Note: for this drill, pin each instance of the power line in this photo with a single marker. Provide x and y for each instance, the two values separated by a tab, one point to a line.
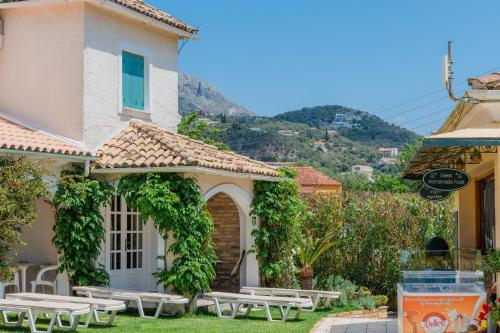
425	116
409	102
430	93
416	107
427	124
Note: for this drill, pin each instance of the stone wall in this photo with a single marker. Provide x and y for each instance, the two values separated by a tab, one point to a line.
226	238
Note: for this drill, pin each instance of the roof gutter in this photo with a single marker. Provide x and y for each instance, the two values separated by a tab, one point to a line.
186	169
69	158
111	6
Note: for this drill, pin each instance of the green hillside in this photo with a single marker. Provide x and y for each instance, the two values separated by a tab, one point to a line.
369	130
259	138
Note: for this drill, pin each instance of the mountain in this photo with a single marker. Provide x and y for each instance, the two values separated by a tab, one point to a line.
362	127
198	95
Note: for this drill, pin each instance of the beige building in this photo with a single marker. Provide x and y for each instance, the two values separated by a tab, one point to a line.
469	140
95	83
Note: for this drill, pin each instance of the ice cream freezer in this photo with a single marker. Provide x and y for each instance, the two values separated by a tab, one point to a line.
438	301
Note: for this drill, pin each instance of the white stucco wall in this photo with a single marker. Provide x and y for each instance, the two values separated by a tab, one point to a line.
60	70
41	67
105	35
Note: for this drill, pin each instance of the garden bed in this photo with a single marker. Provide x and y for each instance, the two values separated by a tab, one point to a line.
379	313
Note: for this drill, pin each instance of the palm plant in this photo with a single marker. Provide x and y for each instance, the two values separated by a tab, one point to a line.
309	250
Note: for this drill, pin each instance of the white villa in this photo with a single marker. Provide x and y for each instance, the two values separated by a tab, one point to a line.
95	83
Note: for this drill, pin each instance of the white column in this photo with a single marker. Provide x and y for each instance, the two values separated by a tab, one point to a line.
160	263
252	265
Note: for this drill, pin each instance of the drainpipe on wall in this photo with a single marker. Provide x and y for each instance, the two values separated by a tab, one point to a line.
1	33
87	168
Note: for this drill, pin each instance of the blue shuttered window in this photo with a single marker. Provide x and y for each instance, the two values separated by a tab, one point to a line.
133	81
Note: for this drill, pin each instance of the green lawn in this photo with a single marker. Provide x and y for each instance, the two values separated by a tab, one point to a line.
206	323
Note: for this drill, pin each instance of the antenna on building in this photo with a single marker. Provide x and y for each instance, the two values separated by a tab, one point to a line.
448	73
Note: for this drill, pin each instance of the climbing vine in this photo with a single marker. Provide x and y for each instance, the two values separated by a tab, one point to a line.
79	228
21	184
176	206
279	209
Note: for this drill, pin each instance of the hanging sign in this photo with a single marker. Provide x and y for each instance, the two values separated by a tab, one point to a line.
431	194
446	179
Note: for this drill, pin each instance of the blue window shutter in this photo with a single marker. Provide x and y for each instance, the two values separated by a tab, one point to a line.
133	81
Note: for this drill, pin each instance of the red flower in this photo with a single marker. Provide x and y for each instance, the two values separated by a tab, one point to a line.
482	316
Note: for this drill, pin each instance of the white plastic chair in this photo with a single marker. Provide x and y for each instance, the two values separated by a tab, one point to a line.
39	281
5	284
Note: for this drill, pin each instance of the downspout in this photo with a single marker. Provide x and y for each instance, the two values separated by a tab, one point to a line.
87	168
2	33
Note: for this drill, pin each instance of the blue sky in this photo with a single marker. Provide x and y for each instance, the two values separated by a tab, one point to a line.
276	56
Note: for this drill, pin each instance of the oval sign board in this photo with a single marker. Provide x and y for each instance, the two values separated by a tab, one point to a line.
431	194
446	179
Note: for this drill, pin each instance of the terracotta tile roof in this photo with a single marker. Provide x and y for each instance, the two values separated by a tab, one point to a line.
487	82
146	9
16	137
144	145
308	176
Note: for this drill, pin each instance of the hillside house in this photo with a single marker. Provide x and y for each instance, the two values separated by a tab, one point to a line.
363	169
320	145
94	83
287	132
388	152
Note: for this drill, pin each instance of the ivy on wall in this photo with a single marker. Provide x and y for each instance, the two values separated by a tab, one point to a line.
21	184
279	209
176	205
79	228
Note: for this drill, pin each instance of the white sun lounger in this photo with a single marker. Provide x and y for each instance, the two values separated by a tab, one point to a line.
314	295
128	296
96	304
284	304
31	309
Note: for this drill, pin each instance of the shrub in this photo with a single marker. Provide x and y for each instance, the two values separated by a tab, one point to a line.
372	229
365	302
351	294
493	261
280	211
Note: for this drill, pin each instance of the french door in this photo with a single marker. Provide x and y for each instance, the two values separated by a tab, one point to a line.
126	240
487	214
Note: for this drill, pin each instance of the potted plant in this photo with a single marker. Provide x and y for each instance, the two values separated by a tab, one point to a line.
309	251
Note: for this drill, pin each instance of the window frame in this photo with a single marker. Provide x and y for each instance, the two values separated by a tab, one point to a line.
146	54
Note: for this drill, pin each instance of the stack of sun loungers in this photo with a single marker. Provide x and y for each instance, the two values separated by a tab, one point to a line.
27	307
265	298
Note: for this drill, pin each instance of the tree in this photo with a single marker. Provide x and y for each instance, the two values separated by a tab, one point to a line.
407	153
21	184
192	127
